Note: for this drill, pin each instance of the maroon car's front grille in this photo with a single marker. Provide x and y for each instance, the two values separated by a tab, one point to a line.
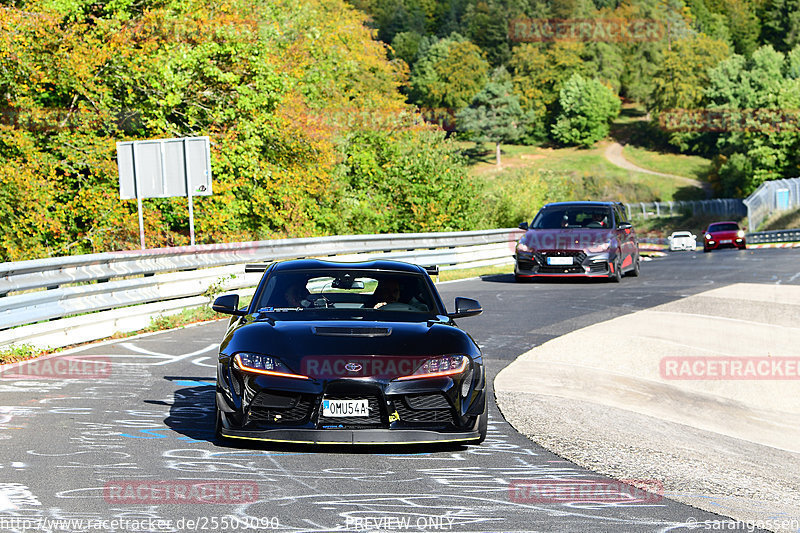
561	270
598	267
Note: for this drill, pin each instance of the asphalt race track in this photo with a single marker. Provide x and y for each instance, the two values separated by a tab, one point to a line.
81	449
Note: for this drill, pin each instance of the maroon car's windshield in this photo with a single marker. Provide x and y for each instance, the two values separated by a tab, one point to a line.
573	217
728	226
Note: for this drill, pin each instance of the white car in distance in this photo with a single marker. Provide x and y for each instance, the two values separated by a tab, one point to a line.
682	240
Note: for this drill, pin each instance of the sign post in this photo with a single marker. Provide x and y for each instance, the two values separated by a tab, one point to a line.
164	168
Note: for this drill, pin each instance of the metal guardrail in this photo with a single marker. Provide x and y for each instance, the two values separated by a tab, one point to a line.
101	284
782	235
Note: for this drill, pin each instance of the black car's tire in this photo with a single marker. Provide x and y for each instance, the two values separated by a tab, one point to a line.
635	271
218	436
483	424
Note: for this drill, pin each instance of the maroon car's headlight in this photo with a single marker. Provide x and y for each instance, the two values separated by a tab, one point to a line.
709	236
263	364
522	247
435	367
740	234
600	247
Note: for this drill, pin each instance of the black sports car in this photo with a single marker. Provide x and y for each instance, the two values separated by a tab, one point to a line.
348	353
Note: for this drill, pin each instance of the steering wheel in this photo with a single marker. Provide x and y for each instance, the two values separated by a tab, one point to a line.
398	306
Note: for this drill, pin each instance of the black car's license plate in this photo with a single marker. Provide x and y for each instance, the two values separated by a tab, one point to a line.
342	408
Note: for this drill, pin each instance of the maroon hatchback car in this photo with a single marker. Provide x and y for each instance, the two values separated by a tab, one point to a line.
578	239
723	235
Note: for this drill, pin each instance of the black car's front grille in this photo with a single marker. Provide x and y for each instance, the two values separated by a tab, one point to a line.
424	408
375	418
280	408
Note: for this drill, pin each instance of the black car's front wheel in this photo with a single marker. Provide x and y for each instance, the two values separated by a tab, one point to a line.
218	436
483	424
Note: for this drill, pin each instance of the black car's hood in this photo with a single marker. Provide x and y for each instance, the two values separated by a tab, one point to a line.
293	341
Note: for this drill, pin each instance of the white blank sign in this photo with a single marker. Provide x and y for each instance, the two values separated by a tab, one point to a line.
160	168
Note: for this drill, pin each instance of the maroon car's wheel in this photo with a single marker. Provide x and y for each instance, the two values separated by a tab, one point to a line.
635	272
616	277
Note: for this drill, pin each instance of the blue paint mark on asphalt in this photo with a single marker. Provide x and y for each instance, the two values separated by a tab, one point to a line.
192	383
150	432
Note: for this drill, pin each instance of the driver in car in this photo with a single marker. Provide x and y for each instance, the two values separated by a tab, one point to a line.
388	292
296	295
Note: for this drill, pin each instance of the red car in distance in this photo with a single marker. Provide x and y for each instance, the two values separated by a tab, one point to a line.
723	235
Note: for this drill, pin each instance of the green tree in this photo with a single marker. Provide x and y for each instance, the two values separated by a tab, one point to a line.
586	108
780	24
449	73
683	73
495	114
759	139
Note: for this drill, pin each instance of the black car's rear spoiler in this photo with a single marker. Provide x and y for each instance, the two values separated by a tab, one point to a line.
256	267
432	270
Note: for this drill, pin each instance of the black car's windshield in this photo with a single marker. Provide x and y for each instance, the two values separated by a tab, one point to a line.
357	290
573	217
730	226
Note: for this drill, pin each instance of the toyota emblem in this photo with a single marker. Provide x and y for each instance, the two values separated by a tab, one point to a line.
353	367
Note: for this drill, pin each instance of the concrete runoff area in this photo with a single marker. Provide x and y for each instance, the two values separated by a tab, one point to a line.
604	398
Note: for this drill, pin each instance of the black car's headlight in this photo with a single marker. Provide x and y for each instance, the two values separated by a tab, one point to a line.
435	367
264	364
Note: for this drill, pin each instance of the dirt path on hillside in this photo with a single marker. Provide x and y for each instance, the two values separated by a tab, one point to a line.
613	153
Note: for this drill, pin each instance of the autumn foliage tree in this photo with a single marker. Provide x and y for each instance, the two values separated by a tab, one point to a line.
275	84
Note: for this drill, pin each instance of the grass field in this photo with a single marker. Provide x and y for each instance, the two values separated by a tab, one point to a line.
589	174
688	166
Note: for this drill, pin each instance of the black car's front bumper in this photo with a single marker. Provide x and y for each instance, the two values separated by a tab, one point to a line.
583	264
352	436
276	409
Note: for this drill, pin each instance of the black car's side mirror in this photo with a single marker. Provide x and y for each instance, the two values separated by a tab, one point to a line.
228	304
523	225
625	225
466	307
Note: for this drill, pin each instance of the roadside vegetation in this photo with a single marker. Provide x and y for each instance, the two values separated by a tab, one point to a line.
316	112
784	220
